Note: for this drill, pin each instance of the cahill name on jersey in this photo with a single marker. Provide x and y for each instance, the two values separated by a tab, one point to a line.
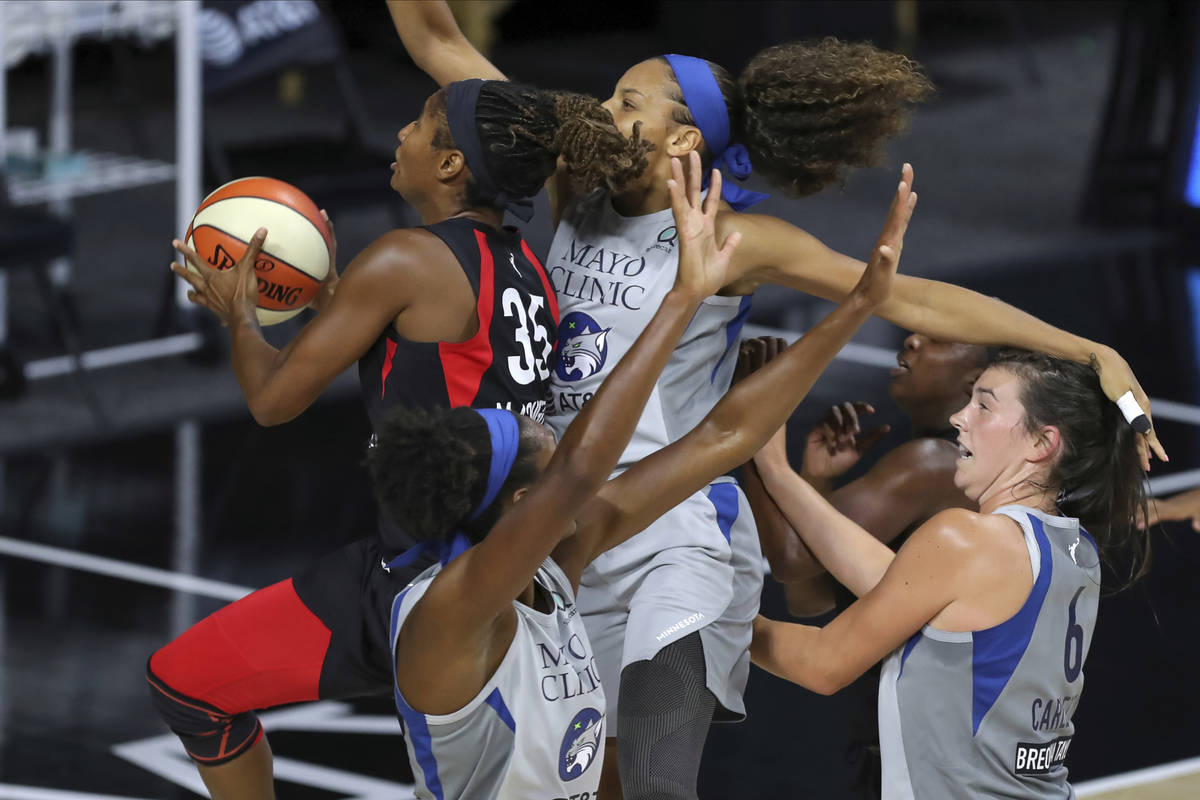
611	273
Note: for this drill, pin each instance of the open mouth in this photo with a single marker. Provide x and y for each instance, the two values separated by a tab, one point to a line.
964	453
901	368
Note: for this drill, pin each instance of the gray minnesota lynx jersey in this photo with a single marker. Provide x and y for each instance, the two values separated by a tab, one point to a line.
611	273
988	713
536	729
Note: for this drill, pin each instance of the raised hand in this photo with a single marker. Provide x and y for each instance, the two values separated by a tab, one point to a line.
231	294
1116	378
702	265
837	442
875	284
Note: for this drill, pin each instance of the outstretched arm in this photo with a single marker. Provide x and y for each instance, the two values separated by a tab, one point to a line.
745	417
437	46
777	252
1180	507
931	571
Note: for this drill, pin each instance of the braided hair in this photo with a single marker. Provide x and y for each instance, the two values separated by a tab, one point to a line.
524	131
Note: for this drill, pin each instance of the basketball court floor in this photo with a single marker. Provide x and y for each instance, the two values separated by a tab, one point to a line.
114	542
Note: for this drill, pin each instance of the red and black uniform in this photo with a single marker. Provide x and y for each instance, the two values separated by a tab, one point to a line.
323	634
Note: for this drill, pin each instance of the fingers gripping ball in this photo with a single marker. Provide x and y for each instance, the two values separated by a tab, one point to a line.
295	257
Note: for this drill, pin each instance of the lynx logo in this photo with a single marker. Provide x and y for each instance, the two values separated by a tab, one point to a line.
584	347
581	744
666	240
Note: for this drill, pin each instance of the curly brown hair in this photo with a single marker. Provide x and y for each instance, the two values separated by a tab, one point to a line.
809	111
524	130
429	470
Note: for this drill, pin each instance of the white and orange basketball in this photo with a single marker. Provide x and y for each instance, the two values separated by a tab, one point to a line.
295	256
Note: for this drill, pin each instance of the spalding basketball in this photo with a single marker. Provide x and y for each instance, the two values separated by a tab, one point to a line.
295	256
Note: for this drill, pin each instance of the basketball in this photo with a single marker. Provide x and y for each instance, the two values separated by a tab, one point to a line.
295	256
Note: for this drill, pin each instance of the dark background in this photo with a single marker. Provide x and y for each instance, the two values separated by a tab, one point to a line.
1046	165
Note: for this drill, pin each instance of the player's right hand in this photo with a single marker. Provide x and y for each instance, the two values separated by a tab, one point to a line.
875	284
703	266
231	294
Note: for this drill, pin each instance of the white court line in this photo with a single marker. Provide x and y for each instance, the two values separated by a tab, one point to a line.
9	791
121	569
112	356
1140	777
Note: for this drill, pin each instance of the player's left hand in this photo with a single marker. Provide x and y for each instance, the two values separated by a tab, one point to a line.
231	294
752	355
330	284
1116	378
703	267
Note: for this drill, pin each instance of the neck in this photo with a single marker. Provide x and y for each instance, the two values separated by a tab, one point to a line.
650	193
1026	490
638	201
438	209
931	420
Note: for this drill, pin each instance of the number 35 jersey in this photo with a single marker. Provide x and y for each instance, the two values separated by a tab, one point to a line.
988	713
506	364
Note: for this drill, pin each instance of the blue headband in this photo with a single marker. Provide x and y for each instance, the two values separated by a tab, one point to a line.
505	433
703	99
461	100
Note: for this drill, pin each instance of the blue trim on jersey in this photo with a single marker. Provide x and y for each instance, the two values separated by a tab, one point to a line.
724	497
733	331
413	722
908	648
496	701
997	651
417	731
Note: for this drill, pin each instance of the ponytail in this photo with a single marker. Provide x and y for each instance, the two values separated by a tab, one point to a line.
809	111
1098	473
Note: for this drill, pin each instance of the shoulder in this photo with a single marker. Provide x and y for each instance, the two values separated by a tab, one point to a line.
961	535
402	253
767	244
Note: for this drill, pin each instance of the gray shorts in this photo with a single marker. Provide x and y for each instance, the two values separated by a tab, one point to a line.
696	568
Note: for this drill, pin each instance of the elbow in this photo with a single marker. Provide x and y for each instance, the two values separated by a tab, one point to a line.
268	414
827	681
793	569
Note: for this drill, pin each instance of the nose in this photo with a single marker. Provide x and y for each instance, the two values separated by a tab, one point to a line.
610	105
959	418
914	342
403	134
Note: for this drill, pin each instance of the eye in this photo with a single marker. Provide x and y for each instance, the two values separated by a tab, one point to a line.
628	106
982	406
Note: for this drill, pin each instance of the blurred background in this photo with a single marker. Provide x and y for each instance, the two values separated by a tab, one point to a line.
1058	167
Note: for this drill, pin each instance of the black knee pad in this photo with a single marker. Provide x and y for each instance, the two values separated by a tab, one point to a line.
664	711
210	736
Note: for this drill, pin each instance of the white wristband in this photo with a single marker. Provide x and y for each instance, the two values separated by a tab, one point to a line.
1133	412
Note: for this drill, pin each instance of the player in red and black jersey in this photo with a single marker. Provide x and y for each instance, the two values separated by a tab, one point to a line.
458	312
